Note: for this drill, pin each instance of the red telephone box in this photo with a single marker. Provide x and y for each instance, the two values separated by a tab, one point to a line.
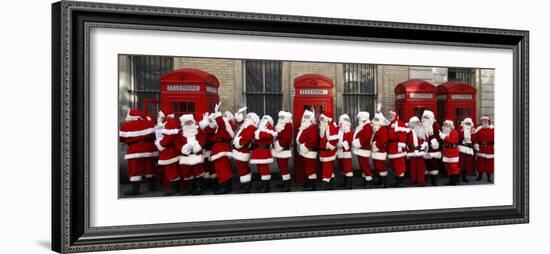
414	96
189	91
456	101
313	92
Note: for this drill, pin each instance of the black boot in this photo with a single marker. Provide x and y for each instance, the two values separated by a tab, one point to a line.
384	181
327	185
134	191
174	188
245	187
489	178
367	184
199	186
286	185
433	180
214	185
349	182
479	176
265	186
457	180
151	183
310	185
464	178
343	183
451	180
191	185
223	188
399	181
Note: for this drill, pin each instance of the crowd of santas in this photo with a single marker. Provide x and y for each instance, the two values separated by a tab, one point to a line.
200	153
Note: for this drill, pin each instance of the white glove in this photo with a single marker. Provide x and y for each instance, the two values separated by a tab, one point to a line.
186	149
434	143
417	153
237	142
356	143
476	147
339	145
345	145
159	147
374	147
277	147
442	135
241	110
196	147
424	146
303	148
399	149
217	107
329	146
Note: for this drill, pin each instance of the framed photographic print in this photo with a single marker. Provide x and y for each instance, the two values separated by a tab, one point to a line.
181	126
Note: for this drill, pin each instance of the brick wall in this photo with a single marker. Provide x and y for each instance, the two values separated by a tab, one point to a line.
487	84
388	78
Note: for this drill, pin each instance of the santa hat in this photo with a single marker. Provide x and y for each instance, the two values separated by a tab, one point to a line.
428	114
133	115
485	117
467	120
268	118
166	112
329	115
253	117
363	116
344	117
171	127
285	115
450	123
378	116
413	120
186	117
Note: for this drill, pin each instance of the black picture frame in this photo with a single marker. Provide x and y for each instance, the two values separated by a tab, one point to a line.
70	108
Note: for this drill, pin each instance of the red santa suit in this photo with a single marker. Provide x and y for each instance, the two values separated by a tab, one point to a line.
484	145
191	143
169	153
307	141
345	139
450	149
138	134
261	153
362	144
328	134
281	147
241	147
378	144
221	149
208	128
465	146
433	155
417	146
397	147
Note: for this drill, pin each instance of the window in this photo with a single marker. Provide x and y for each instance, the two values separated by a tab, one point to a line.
263	87
465	75
182	107
146	72
359	89
460	114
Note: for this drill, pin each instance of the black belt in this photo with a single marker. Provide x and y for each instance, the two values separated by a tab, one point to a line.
261	146
221	141
415	148
468	145
450	145
142	141
486	143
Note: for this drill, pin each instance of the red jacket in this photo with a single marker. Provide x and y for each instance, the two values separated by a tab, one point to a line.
416	146
281	147
307	141
485	142
345	139
397	138
379	142
169	153
361	140
261	154
223	135
328	143
242	142
139	136
191	154
434	147
450	148
465	145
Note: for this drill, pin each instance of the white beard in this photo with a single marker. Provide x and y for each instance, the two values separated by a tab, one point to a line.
376	126
323	128
420	132
190	131
467	134
305	124
280	126
429	126
263	124
345	127
446	130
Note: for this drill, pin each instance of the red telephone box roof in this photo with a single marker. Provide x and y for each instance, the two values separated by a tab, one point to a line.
190	75
415	85
455	87
312	80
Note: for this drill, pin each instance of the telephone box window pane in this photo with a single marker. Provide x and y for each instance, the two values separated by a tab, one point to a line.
460	114
191	107
175	107
183	108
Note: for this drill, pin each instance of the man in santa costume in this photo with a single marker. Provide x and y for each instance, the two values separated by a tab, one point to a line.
240	116
449	138
138	135
241	150
307	141
208	127
169	153
362	146
417	147
484	145
221	149
433	155
328	134
345	138
191	142
151	172
281	147
261	152
379	146
397	146
465	147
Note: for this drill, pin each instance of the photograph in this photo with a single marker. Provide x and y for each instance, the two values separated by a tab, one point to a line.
208	126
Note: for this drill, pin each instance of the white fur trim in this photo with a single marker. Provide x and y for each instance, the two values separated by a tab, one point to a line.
213	176
221	154
374	147
330	146
159	146
433	172
433	155
312	176
169	131
169	161
402	145
466	150
416	154
362	152
286	177
240	156
485	155
401	175
141	155
228	128
192	159
368	178
378	156
434	143
450	159
261	161
341	154
356	143
131	134
327	159
206	175
266	177
333	137
397	155
135	178
206	154
303	148
277	147
383	173
349	174
281	154
309	154
246	178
